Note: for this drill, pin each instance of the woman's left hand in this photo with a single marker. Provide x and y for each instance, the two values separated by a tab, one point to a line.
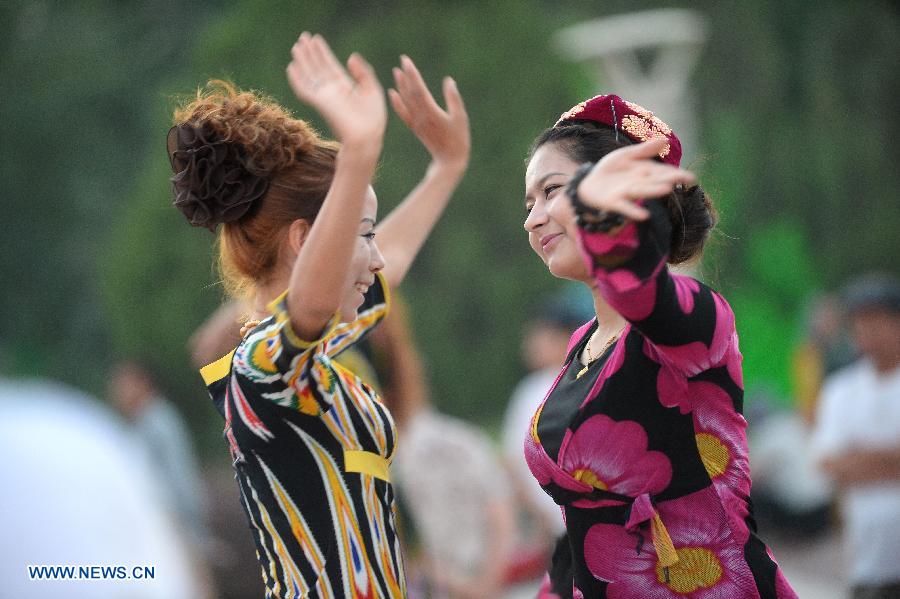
445	133
629	174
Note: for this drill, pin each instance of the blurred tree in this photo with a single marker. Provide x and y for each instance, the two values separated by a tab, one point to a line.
77	78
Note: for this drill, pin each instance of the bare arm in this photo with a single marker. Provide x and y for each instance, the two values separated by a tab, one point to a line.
499	549
863	466
405	389
219	334
352	102
446	136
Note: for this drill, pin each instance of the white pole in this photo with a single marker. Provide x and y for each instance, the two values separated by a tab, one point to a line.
671	39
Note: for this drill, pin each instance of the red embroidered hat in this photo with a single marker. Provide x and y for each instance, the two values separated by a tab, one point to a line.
635	121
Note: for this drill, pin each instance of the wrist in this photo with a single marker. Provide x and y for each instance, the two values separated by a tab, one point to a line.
361	149
587	217
448	170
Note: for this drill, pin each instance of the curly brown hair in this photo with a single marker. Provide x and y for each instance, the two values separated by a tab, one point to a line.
298	162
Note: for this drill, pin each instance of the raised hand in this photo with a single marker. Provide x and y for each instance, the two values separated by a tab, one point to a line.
351	100
444	133
629	174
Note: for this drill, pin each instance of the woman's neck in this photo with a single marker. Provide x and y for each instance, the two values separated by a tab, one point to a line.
609	322
265	294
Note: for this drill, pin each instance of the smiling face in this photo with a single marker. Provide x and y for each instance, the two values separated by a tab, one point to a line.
552	232
366	261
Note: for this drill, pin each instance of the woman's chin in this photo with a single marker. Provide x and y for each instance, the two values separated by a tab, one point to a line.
349	311
347	315
565	269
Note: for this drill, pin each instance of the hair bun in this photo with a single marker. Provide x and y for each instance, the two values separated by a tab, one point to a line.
212	183
693	217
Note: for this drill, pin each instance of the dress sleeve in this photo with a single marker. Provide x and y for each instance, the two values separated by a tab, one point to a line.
689	326
296	372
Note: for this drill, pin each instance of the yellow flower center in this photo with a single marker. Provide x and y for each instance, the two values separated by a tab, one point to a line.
714	454
589	477
697	567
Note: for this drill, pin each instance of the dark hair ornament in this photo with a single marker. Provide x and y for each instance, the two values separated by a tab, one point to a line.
212	184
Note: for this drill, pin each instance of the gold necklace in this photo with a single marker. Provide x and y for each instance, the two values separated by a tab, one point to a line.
591	358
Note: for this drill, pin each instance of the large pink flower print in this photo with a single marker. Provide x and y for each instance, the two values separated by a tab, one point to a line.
710	562
721	436
613	456
722	445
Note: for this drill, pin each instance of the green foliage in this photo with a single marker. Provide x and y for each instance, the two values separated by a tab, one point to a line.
766	305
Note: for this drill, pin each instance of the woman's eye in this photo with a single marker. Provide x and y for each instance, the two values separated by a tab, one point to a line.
528	208
370	235
550	189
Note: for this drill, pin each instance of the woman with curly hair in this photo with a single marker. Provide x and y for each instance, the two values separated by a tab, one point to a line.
296	221
641	440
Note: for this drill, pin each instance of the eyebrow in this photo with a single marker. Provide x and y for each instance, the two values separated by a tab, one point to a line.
541	181
368	220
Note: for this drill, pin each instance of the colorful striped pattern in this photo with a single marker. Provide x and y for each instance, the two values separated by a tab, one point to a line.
311	445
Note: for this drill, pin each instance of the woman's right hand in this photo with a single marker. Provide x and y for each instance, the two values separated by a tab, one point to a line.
351	100
630	174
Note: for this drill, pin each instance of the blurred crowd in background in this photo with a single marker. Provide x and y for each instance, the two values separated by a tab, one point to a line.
114	453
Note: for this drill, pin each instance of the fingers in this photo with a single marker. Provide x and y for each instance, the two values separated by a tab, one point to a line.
315	52
453	99
412	86
312	63
402	84
628	209
362	72
670	176
648	149
400	107
325	60
299	66
644	154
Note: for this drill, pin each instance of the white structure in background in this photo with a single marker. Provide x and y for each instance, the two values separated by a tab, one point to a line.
672	39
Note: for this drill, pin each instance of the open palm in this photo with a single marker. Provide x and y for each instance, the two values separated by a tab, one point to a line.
351	100
629	174
445	133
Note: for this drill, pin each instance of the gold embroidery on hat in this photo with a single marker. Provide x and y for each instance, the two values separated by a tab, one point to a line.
646	128
572	112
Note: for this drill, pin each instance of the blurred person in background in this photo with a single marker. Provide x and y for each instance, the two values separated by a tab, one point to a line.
825	349
449	478
79	489
310	441
543	352
857	437
641	438
791	496
136	394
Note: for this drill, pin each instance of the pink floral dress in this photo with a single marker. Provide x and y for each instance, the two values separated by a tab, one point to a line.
648	461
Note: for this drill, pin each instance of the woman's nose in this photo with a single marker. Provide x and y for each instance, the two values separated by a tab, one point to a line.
537	216
377	262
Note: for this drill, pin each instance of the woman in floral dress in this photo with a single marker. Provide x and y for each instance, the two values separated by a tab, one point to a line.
641	440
